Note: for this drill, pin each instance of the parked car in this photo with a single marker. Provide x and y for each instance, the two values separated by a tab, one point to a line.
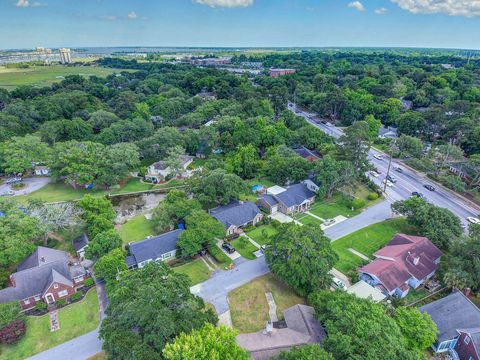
329	222
388	182
378	156
228	248
14	180
418	194
399	169
391	178
429	187
338	284
374	173
8	193
377	170
473	220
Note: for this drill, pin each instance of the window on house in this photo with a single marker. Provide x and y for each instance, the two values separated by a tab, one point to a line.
63	293
26	301
467	340
78	279
55	285
37	298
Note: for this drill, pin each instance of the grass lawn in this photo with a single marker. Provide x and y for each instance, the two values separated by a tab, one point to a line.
262	181
196	270
222	258
136	229
99	356
75	320
306	219
263	234
249	307
39	76
367	241
330	208
415	295
244	247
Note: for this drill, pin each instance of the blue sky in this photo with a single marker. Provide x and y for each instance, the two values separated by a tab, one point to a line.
235	23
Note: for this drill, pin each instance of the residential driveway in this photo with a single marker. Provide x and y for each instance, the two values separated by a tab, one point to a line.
31	184
234	256
215	290
341	276
281	217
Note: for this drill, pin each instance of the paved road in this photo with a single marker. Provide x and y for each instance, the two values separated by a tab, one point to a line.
31	184
216	289
407	181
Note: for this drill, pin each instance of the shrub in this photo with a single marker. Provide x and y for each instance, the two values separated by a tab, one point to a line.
358	203
40	306
76	296
89	282
11	333
372	196
61	302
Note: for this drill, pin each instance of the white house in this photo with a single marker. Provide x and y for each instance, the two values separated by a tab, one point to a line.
159	171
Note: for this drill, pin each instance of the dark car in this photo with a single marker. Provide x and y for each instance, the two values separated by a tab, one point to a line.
228	248
399	169
418	194
391	179
429	187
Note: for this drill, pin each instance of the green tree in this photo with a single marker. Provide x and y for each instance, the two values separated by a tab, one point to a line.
117	163
373	126
438	224
103	243
306	352
411	123
332	174
244	162
173	160
284	165
355	145
110	265
418	328
20	154
9	312
409	146
147	309
359	328
302	256
209	342
96	206
201	232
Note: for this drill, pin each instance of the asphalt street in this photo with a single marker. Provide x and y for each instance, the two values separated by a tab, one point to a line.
408	180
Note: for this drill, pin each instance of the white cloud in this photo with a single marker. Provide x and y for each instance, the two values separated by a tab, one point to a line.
132	15
380	11
23	3
225	3
356	5
468	8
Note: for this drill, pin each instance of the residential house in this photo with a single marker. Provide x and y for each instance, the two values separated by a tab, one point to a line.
207	95
293	199
311	185
458	323
236	215
307	154
47	275
41	170
389	132
159	171
406	262
157	248
80	244
281	72
299	328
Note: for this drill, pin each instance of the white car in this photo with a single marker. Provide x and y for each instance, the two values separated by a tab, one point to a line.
374	174
378	156
338	284
473	220
389	183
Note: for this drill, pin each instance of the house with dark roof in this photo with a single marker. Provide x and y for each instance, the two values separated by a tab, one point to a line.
293	199
307	154
389	132
157	248
80	244
236	215
46	275
458	323
299	328
159	170
405	262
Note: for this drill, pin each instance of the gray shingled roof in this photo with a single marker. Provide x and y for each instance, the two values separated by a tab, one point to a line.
236	213
42	256
269	199
154	247
80	242
295	195
452	313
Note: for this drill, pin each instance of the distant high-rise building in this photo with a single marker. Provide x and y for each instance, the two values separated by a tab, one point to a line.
65	56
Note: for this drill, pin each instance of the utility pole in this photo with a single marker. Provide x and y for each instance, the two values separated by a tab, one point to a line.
389	166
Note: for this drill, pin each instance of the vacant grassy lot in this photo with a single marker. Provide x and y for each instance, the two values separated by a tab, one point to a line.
249	307
262	234
196	270
367	241
136	229
330	208
244	247
75	320
47	75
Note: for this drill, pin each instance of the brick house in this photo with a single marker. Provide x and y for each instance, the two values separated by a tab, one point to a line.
47	275
236	215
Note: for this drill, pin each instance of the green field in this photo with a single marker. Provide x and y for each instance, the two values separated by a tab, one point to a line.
262	234
136	229
367	241
40	76
196	270
244	247
75	320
